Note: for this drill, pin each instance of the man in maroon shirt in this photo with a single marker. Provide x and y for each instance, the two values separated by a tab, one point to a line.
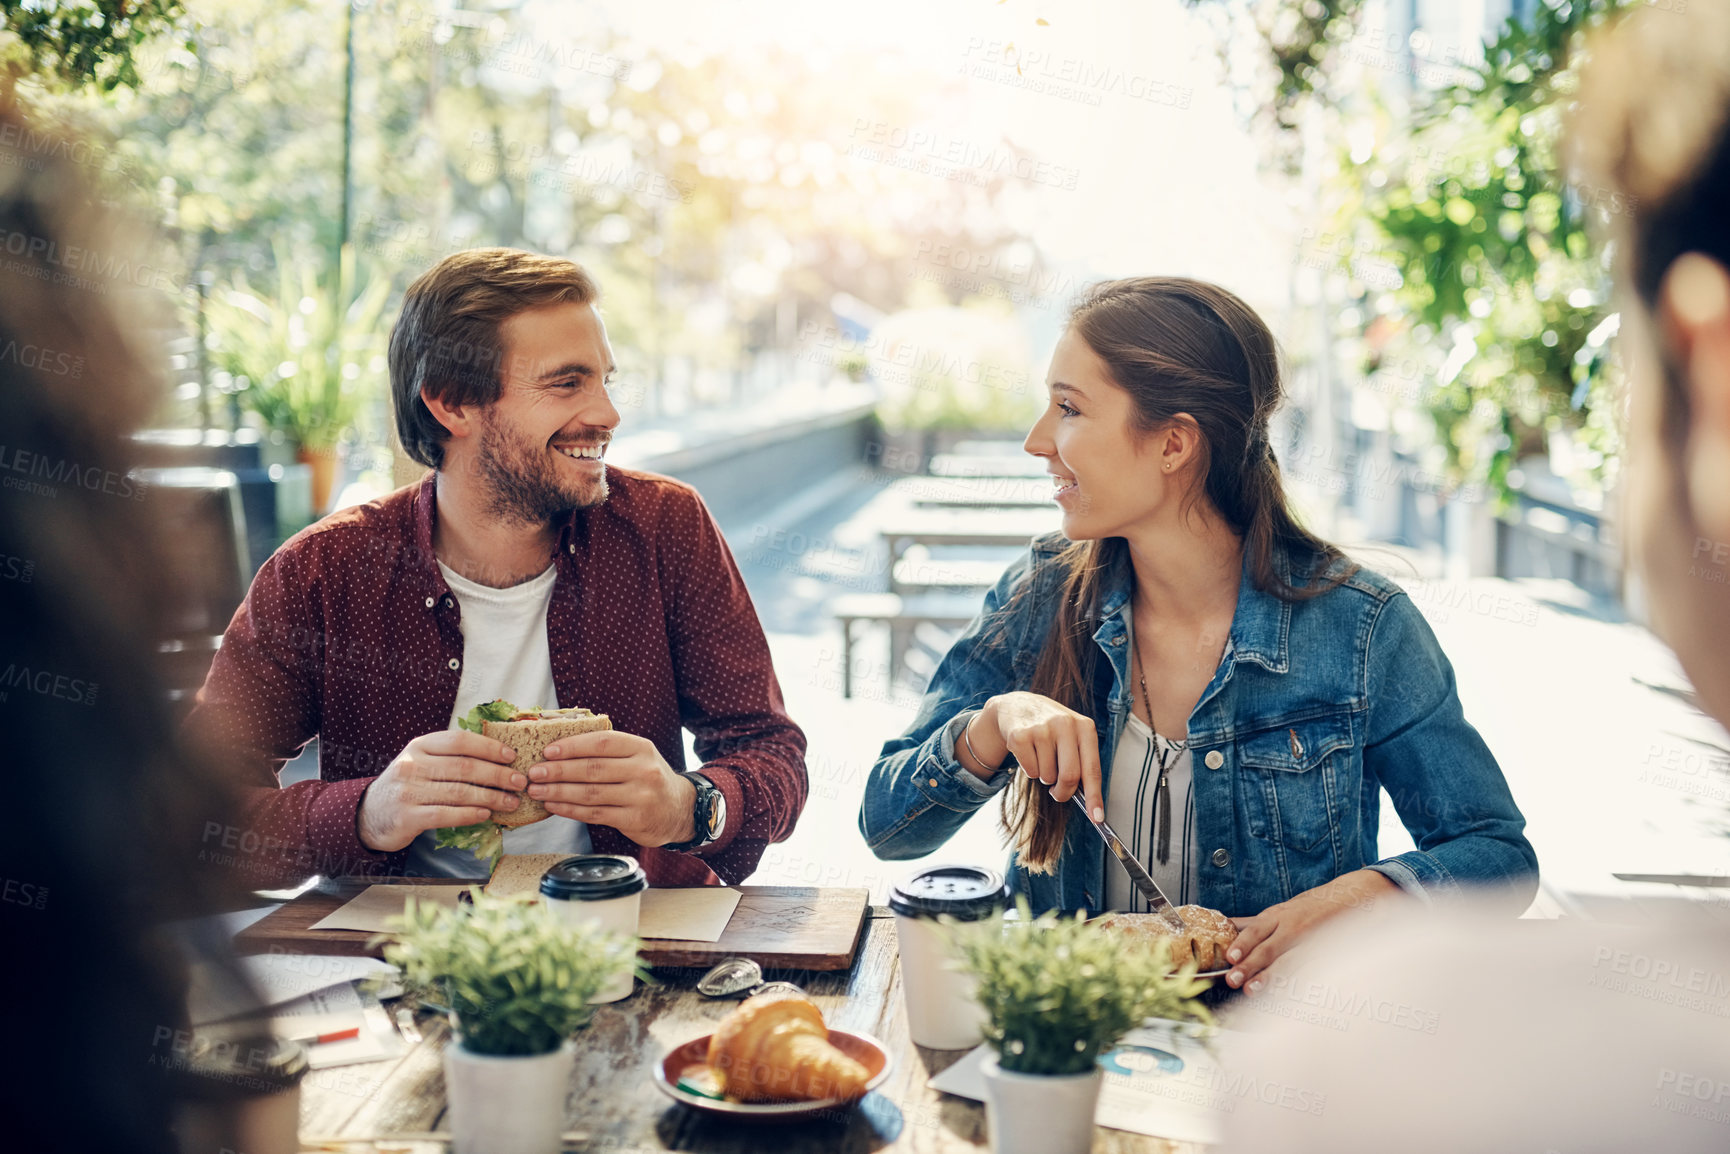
522	567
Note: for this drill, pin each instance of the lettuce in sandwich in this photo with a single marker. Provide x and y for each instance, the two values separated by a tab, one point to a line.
484	839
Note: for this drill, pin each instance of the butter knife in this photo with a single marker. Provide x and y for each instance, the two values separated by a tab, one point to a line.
1157	902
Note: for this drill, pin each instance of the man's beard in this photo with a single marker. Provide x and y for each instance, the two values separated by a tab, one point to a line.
523	483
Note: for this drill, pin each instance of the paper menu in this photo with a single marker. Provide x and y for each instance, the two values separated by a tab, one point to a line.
340	1008
1159	1081
369	909
690	914
684	914
275	978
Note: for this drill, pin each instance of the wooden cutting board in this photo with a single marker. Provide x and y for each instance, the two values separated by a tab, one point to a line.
788	927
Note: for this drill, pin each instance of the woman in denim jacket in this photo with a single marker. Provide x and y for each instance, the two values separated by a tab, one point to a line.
1275	687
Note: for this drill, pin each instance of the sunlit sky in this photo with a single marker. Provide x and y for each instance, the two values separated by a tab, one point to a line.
1158	188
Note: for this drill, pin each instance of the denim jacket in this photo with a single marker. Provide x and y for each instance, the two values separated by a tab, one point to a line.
1315	708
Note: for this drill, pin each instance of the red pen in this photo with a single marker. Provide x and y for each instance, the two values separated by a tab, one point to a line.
333	1036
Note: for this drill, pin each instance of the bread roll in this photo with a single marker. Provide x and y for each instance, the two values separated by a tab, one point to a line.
1204	940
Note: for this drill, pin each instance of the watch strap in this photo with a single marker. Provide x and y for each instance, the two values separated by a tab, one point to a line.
708	796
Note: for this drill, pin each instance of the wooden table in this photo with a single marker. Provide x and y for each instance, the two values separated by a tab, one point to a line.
1012	464
614	1105
902	615
782	925
973	492
939	527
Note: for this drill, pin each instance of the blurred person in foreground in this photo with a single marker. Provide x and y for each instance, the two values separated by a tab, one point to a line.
525	568
108	811
1567	1036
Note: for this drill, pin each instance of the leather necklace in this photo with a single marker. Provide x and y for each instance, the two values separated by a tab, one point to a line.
1162	791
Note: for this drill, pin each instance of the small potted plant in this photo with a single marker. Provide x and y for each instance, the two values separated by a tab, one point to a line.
1058	993
515	981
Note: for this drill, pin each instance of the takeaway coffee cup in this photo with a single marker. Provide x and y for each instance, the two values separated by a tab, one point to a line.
941	1011
602	889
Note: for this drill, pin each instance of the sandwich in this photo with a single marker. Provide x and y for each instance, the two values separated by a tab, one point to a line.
1206	936
528	731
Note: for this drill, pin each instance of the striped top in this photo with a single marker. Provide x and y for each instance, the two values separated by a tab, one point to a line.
1129	808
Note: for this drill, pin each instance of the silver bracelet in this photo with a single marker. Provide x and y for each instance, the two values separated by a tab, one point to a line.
967	738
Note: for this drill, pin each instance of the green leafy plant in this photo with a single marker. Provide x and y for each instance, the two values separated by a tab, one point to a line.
89	43
299	358
1495	265
514	978
1058	991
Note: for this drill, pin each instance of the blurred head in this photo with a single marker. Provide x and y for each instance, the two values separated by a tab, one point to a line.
499	366
1161	392
1653	124
114	813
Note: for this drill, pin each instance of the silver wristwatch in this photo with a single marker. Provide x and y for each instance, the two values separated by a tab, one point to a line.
708	815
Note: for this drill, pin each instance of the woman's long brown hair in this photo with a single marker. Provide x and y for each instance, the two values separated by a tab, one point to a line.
1176	346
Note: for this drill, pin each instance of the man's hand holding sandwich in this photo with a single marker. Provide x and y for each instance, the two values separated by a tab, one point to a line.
618	780
449	778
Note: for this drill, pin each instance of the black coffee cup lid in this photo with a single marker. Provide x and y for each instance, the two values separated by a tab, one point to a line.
965	893
594	877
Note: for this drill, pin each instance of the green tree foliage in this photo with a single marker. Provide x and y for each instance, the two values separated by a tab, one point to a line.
718	196
1481	301
1299	37
83	43
1507	299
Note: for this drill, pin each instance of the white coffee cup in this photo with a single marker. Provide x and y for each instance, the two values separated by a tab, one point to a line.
599	889
942	1012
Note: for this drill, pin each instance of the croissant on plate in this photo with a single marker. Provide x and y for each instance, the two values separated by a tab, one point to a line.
1207	935
775	1047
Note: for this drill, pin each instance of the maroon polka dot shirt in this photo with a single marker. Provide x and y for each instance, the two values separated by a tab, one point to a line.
350	633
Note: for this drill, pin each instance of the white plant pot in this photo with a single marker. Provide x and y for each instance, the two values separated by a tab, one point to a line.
1039	1113
507	1105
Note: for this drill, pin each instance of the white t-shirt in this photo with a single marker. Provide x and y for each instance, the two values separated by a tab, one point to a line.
505	656
1130	810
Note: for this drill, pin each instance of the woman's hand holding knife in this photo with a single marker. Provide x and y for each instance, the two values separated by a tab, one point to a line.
1054	745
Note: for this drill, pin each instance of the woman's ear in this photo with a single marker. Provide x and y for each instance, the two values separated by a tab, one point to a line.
457	420
1694	310
1179	442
